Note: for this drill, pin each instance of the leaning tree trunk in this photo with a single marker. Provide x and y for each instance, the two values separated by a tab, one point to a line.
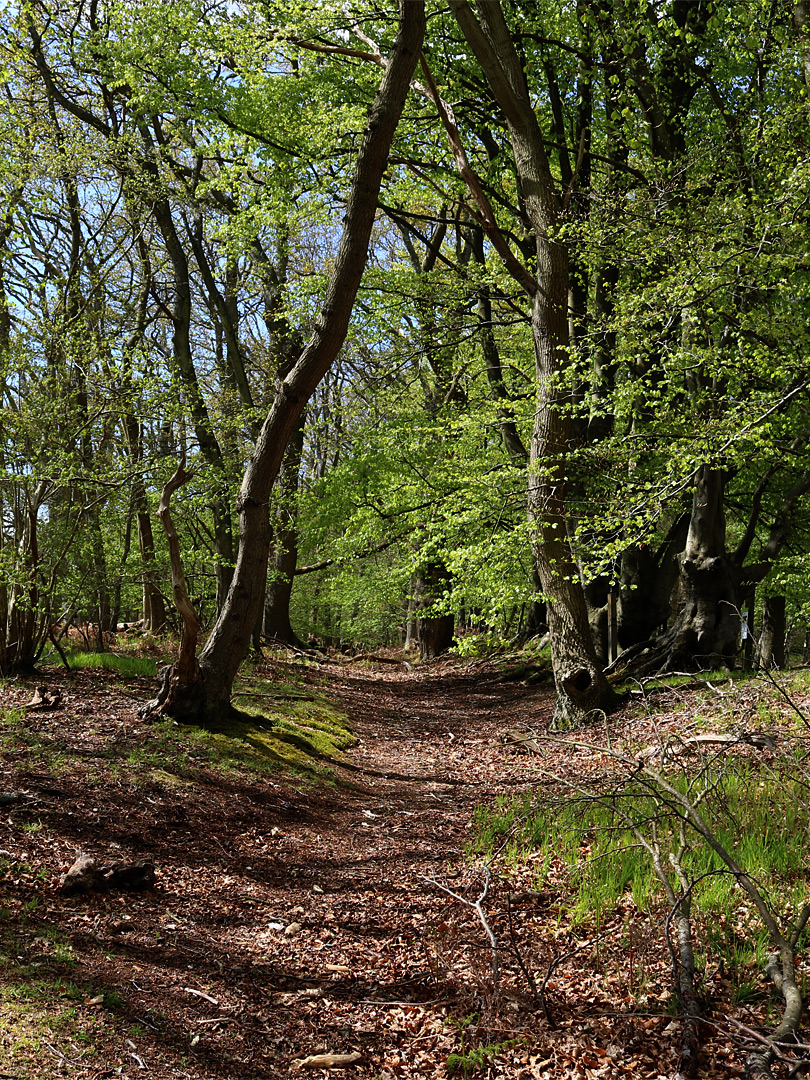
230	638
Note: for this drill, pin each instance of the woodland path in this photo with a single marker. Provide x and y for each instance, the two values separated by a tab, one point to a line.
289	919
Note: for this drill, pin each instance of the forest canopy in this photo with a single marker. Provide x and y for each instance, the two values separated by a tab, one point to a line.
464	324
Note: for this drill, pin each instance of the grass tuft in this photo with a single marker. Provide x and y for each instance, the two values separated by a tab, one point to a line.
129	667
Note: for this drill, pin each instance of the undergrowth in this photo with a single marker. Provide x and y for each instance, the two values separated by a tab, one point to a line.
591	837
620	837
283	725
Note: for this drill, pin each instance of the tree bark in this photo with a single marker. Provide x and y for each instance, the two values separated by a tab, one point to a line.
181	690
772	641
284	556
647	578
582	689
230	638
434	632
706	631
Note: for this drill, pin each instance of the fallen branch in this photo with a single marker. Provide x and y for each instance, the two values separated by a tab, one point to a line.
521	739
378	659
676	746
329	1061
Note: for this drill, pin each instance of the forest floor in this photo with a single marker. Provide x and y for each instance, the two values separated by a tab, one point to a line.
306	909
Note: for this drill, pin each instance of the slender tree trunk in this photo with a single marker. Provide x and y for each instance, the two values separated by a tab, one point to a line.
284	558
230	638
772	640
182	691
582	689
184	363
153	607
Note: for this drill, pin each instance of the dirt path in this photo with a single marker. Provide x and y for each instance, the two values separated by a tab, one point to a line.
289	920
404	963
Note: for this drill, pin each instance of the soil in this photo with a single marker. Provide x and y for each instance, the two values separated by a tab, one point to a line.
294	918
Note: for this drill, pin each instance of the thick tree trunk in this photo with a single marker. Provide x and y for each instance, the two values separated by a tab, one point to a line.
230	638
647	579
706	631
596	594
582	689
435	632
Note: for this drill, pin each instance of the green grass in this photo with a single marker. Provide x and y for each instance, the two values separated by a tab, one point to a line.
129	667
38	1003
758	816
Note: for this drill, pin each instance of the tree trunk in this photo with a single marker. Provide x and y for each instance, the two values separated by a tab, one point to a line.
182	691
276	623
772	641
435	632
230	638
647	579
153	607
706	631
582	689
708	627
747	629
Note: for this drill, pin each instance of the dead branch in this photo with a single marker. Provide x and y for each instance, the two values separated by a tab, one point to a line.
329	1061
478	906
537	993
788	699
377	659
675	746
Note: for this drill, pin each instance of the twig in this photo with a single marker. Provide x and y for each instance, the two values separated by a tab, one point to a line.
530	979
67	1060
272	697
225	851
788	699
199	993
59	649
478	906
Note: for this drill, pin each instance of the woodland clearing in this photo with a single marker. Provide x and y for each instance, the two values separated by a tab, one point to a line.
304	875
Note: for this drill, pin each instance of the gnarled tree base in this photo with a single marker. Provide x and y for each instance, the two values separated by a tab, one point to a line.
677	649
182	698
583	696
